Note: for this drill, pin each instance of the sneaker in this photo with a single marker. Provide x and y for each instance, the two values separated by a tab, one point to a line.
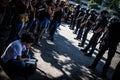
89	55
80	45
83	50
76	38
74	33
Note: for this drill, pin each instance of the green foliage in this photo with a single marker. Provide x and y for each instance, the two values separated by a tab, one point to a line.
113	6
92	4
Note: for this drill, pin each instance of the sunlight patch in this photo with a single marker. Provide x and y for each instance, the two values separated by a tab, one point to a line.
62	58
84	69
49	69
35	50
67	68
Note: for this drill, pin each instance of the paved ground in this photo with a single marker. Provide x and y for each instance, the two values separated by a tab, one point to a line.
63	60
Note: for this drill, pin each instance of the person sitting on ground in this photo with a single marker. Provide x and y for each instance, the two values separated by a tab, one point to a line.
12	56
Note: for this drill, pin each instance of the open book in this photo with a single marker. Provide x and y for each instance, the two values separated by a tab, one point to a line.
31	61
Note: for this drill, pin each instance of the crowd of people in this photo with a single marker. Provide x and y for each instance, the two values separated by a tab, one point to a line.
105	28
24	22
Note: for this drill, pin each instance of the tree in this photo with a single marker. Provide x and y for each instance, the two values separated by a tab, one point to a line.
92	4
113	6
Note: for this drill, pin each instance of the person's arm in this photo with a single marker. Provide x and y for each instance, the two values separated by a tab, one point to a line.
92	22
80	17
18	50
98	30
26	52
19	58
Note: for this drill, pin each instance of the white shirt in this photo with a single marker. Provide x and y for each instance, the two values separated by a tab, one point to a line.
13	50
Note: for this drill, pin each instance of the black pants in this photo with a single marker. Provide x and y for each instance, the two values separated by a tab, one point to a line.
85	35
73	24
79	35
77	26
93	42
111	46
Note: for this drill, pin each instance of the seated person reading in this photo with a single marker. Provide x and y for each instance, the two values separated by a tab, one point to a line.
16	53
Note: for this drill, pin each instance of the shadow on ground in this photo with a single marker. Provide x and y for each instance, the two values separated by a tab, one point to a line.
67	58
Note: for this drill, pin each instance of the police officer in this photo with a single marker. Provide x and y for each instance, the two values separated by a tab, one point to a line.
77	10
111	45
98	29
90	22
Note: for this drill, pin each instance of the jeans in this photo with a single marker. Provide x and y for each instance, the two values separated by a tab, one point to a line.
54	28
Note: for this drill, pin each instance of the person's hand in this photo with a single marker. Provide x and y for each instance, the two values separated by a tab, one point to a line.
26	59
